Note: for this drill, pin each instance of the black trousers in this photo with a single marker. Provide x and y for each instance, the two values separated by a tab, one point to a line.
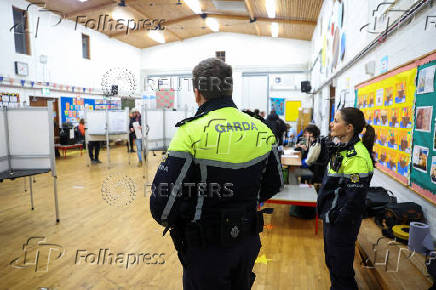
339	249
221	268
131	142
93	146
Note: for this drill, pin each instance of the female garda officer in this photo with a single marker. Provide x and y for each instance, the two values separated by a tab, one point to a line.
342	195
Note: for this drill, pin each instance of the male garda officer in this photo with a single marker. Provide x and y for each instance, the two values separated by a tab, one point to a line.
221	163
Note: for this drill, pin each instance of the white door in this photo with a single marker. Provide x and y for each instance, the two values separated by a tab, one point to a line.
255	93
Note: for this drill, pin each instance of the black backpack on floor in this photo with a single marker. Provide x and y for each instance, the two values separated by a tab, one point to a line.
376	200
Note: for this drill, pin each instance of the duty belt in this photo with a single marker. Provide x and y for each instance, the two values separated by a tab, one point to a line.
232	226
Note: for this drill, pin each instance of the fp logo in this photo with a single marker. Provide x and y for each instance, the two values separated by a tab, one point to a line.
38	254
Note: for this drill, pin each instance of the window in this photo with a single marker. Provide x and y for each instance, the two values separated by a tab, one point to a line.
21	35
85	46
221	55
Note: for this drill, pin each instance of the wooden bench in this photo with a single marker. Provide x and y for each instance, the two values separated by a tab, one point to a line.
381	254
64	148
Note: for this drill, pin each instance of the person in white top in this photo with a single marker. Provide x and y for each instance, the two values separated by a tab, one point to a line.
136	128
309	145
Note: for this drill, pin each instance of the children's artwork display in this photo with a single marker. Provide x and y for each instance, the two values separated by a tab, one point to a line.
387	103
423	169
73	109
9	100
165	98
278	105
100	105
426	80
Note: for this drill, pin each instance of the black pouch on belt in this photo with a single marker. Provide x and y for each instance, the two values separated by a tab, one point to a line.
231	226
259	218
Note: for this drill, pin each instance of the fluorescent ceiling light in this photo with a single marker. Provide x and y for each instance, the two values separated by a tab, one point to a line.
157	36
213	24
274	29
120	13
194	5
83	1
271	8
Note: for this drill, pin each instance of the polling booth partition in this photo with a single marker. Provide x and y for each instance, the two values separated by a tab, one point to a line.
27	145
159	128
107	125
161	124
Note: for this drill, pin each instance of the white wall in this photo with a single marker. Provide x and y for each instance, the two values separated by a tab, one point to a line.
410	41
246	53
63	46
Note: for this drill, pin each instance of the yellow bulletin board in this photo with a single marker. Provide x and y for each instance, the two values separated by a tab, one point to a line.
387	104
291	110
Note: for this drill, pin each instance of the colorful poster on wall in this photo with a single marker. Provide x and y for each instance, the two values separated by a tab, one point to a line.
387	103
291	110
278	105
73	108
165	98
426	80
423	170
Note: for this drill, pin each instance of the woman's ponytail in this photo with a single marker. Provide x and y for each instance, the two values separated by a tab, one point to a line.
368	140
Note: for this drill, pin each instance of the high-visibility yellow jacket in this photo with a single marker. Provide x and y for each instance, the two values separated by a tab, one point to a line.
341	198
220	158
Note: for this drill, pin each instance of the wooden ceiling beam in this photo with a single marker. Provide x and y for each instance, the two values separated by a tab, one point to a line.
143	15
181	19
229	17
265	19
91	9
112	3
166	23
250	11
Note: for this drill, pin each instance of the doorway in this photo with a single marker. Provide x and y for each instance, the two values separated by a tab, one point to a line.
42	102
332	102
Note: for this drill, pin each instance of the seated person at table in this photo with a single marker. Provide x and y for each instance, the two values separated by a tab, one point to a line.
309	146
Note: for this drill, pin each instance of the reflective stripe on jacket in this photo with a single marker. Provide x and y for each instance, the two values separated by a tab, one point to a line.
221	158
344	191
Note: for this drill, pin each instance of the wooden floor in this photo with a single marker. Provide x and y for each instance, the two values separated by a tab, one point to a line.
291	256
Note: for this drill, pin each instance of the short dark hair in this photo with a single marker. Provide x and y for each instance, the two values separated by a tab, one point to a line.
312	129
213	78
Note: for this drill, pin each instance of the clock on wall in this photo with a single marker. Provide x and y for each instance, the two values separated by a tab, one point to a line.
21	68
